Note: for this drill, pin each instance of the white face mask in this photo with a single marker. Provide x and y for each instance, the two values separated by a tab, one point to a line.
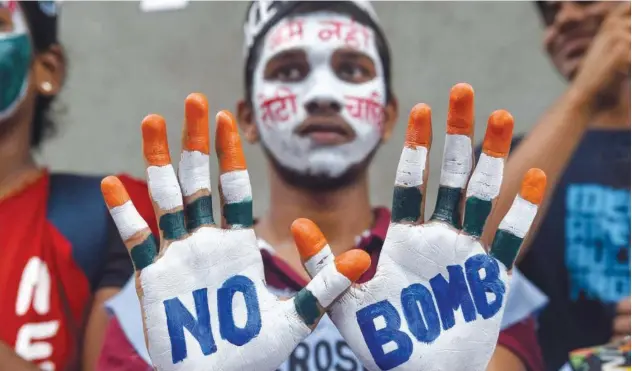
280	106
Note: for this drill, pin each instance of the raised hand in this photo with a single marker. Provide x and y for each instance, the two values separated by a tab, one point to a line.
436	300
202	293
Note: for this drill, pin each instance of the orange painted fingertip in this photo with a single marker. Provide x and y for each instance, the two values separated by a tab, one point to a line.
196	119
308	237
498	134
353	263
419	131
533	186
155	145
461	110
228	144
114	192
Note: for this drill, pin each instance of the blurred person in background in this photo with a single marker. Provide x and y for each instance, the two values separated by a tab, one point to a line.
326	183
61	255
580	256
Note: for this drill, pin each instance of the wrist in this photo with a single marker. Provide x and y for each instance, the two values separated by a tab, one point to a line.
580	101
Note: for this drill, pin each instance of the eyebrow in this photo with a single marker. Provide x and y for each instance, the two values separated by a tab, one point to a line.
288	54
351	54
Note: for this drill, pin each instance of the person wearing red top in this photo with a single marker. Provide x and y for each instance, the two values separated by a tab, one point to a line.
61	255
326	184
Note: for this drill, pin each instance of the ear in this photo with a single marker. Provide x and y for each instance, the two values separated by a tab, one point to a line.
390	118
246	120
49	69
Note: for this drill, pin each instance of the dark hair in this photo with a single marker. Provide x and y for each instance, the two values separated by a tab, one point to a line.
42	24
341	7
542	9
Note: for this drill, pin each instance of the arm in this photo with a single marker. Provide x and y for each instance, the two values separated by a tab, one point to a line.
549	146
553	140
96	327
116	273
11	361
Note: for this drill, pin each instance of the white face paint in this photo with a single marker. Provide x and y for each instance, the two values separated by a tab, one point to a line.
280	106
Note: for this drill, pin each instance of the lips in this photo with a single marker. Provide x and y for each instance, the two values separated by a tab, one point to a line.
326	131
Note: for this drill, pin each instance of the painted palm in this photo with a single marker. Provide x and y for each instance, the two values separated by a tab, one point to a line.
436	300
203	295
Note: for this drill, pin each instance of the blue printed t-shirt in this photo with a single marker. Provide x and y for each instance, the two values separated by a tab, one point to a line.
580	257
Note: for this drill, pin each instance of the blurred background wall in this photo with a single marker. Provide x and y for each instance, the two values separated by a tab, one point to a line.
124	64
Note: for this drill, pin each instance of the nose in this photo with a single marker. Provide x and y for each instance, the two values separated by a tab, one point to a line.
323	106
324	95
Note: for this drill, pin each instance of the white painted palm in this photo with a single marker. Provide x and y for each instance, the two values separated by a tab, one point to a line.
437	298
203	296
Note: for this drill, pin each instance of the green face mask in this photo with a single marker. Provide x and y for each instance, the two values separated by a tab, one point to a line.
15	61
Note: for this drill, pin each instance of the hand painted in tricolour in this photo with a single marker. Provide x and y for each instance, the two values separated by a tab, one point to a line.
202	292
437	298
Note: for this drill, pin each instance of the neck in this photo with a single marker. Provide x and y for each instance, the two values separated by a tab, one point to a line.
617	115
341	214
16	159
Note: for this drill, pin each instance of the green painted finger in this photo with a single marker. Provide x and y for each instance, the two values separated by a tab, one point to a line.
447	206
330	282
457	155
409	180
131	226
476	213
484	186
307	307
172	225
144	253
516	224
234	179
194	168
199	212
162	182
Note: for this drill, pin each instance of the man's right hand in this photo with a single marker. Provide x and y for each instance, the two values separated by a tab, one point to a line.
607	59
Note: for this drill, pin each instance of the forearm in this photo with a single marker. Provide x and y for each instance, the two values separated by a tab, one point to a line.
549	146
95	328
11	361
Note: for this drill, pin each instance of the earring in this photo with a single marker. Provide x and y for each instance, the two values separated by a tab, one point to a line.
47	86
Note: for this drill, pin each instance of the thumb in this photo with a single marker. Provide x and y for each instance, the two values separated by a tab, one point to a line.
332	277
312	246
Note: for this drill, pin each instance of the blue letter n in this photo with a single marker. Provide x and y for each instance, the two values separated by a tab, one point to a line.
179	318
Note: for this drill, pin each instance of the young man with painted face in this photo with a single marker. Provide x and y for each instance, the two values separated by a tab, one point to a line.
61	256
320	110
580	257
